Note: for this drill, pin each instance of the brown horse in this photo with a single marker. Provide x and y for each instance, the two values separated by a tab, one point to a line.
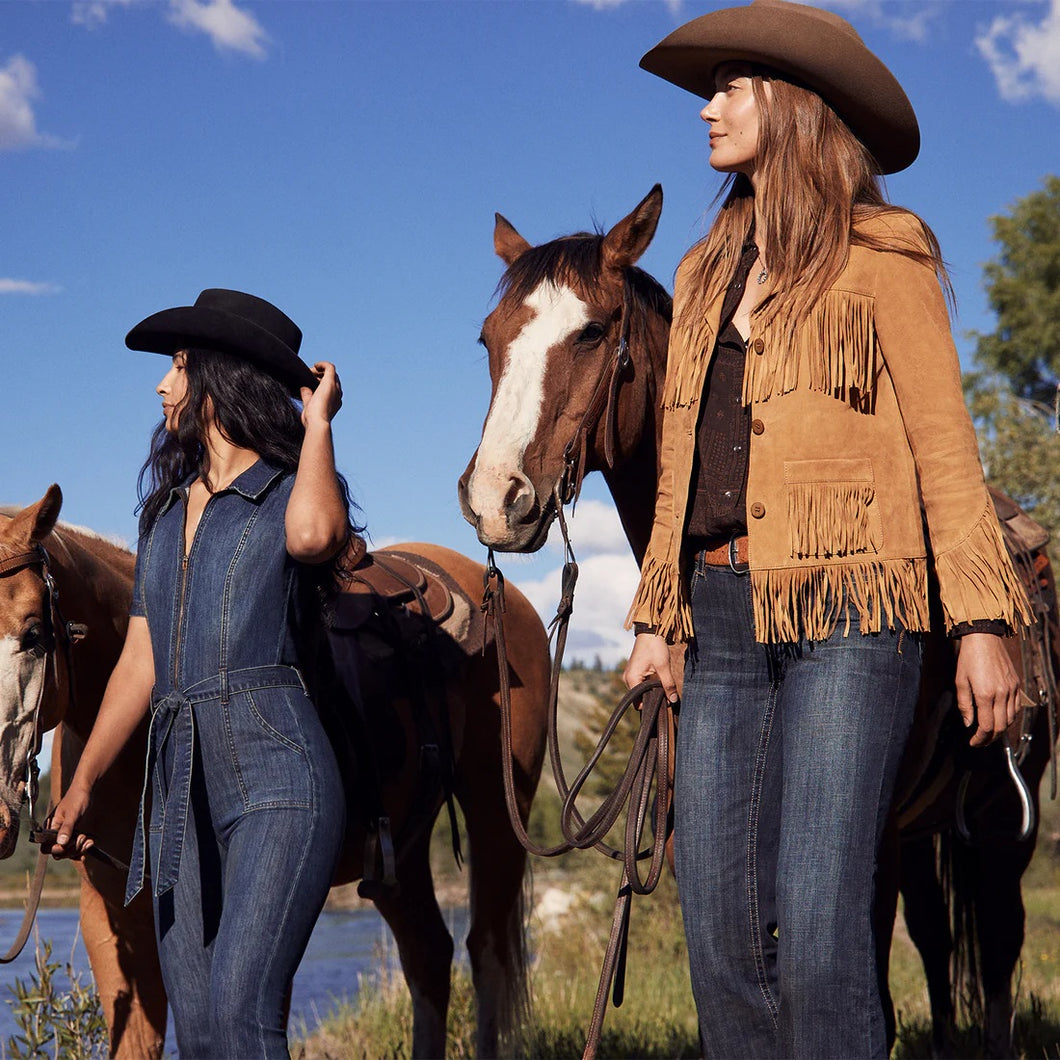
43	671
564	405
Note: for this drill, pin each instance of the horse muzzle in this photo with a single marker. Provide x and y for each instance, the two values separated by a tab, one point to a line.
503	507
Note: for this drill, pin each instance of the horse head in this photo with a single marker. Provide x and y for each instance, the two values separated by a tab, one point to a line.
563	403
26	641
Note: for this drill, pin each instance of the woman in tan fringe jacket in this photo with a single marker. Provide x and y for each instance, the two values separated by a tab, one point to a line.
813	422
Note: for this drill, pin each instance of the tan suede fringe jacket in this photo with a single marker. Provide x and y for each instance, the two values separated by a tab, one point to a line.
856	425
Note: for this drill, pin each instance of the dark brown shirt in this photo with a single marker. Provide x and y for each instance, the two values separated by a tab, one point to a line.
719	507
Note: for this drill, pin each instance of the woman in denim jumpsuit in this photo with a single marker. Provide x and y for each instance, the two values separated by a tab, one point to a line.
246	801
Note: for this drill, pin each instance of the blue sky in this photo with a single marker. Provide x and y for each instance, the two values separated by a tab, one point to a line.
345	159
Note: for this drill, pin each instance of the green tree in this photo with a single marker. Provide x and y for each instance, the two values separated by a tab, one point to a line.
1013	388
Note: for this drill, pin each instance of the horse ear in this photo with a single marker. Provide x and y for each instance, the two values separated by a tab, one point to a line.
625	243
507	242
35	523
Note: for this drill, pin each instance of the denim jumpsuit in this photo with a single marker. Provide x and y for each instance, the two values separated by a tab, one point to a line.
246	806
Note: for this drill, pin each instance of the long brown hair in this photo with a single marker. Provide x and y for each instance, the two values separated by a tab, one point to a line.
816	182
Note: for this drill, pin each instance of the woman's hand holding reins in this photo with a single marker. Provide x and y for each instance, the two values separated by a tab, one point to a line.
321	405
651	658
69	843
988	687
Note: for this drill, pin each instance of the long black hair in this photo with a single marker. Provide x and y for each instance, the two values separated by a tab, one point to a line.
250	408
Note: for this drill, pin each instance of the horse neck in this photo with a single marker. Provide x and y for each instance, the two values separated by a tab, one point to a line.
633	481
94	582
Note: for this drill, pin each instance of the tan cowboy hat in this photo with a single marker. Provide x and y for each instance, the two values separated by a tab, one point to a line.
813	47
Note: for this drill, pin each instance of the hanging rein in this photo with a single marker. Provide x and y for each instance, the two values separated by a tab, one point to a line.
645	785
55	631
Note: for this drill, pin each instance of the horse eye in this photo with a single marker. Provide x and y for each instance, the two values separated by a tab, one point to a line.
592	333
31	640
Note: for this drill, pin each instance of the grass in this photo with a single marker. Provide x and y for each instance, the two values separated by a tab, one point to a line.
657	1018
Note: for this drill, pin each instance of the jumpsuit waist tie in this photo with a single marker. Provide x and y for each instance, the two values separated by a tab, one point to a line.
173	718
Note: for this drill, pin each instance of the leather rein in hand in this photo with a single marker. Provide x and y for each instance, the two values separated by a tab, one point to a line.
645	785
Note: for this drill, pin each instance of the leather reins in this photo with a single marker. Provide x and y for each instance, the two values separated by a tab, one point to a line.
644	789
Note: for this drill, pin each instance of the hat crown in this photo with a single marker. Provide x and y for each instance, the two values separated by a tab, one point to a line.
255	311
806	11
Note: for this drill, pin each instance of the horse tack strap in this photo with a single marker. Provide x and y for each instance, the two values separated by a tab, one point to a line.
32	902
22	560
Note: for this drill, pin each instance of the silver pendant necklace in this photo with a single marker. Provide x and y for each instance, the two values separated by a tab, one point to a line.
763	275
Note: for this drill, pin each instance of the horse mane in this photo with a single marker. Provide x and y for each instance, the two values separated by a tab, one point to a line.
110	548
577	259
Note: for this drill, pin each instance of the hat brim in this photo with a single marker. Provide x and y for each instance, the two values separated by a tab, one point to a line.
826	57
187	327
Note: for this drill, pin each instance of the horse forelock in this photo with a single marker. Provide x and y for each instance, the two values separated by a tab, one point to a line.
573	261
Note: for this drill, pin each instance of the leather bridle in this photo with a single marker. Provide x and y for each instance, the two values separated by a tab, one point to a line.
55	629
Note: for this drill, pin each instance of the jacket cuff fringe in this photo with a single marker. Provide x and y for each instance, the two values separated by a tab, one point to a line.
793	603
977	579
660	604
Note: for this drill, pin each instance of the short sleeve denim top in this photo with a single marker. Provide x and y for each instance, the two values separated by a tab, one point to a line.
226	607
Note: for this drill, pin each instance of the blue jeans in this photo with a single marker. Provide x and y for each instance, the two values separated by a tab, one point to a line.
262	831
786	764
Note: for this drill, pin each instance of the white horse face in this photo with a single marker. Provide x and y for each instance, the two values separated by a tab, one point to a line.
25	642
23	665
506	489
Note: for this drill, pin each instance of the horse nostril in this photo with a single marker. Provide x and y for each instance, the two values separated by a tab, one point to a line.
520	498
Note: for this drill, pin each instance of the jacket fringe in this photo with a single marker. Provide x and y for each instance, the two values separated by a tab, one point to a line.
833	351
829	519
793	603
659	596
691	346
977	579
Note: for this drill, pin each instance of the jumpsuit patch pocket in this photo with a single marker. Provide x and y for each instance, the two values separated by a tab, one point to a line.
266	745
832	508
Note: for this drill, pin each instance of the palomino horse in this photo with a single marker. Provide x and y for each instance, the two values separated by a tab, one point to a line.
41	671
564	403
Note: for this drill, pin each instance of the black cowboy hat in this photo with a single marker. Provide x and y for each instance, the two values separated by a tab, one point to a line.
230	322
815	48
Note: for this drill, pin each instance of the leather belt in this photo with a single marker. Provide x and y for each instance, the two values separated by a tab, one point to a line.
725	552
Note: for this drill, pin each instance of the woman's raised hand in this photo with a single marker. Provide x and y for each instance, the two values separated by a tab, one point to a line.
322	404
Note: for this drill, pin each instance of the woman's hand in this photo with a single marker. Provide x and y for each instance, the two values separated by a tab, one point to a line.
651	658
988	688
69	843
321	405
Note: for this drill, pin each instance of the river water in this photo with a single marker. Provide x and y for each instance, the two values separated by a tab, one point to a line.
347	947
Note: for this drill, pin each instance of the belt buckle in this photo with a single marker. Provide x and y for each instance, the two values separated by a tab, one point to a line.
734	556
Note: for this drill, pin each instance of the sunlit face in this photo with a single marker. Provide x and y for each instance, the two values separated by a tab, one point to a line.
732	114
173	389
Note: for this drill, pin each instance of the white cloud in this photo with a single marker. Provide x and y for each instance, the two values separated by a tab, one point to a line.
606	584
18	123
9	286
1024	56
594	527
912	22
229	27
92	13
675	6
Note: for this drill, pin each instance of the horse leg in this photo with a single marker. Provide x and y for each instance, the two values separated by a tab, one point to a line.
927	918
999	920
497	938
424	945
119	940
124	972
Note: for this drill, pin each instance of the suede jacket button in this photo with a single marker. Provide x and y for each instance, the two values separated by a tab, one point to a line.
758	427
758	509
758	346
